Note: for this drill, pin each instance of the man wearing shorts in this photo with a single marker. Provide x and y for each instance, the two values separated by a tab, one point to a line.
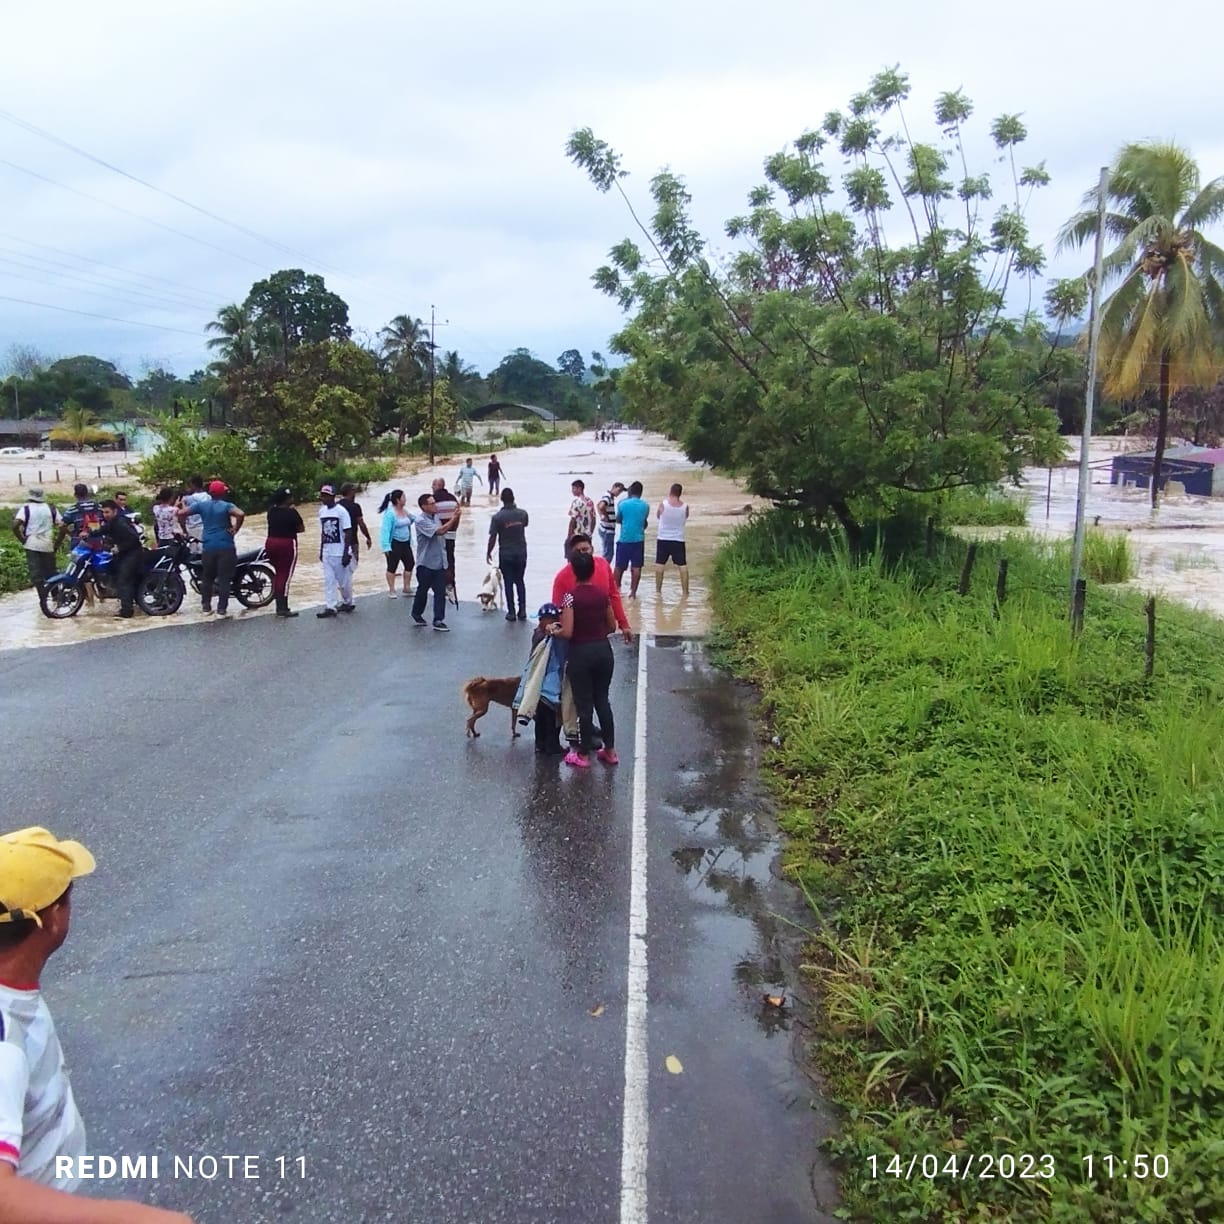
672	515
631	516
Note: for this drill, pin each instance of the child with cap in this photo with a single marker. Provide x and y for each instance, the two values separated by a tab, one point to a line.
547	727
39	1121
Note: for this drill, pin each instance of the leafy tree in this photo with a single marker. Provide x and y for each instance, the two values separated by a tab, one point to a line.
291	309
79	427
407	357
92	372
24	361
463	379
234	337
1161	327
521	376
571	364
821	363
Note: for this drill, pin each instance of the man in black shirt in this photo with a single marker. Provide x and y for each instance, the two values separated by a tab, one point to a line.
348	499
507	530
129	556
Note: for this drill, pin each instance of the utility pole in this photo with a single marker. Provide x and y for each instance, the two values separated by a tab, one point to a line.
1094	335
433	368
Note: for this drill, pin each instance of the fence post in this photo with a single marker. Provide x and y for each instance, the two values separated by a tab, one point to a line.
99	473
930	536
971	556
19	480
57	479
1077	607
1149	647
40	479
1001	586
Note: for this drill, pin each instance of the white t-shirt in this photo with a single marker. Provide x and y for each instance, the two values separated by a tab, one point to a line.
334	521
39	520
671	522
39	1119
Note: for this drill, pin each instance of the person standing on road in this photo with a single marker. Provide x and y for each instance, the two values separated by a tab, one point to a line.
395	538
220	521
632	515
586	621
348	499
196	495
39	1119
582	516
35	526
564	582
672	516
507	529
431	560
128	561
495	475
284	526
463	482
445	505
606	509
166	529
336	543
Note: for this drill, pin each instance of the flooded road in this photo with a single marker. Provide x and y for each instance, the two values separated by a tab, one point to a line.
540	478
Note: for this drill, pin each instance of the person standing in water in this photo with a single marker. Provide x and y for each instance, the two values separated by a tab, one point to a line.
672	516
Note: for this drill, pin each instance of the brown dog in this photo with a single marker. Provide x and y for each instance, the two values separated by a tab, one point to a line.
480	691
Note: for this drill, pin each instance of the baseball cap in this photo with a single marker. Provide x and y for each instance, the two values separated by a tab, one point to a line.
328	489
217	488
548	609
36	494
36	869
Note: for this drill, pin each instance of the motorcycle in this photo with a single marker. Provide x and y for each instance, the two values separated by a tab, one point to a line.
90	574
163	591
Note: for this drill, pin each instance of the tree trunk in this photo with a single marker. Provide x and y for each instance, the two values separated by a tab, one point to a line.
851	526
1162	426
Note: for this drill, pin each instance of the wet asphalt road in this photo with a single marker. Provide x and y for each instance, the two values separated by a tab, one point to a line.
327	926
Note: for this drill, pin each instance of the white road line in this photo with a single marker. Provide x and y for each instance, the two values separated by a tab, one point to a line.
635	1124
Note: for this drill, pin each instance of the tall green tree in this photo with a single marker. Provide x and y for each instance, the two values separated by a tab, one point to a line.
1162	328
407	357
822	362
570	364
233	338
291	309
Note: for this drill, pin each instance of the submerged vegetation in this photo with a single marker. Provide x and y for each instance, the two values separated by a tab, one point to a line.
1013	843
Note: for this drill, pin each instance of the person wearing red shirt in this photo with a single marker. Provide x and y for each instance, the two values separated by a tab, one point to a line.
565	582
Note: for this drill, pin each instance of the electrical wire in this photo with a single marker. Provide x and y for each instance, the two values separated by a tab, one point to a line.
242	229
89	314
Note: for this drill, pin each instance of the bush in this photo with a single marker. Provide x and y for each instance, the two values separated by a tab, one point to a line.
13	573
1014	845
253	474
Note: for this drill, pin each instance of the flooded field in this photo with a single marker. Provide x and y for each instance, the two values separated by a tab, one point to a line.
540	478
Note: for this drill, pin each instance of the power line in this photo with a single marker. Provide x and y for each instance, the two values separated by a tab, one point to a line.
139	216
91	315
205	294
242	229
23	264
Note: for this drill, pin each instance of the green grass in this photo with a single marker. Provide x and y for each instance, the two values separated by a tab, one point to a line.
1014	848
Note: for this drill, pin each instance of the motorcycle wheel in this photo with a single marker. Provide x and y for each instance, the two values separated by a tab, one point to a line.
60	600
160	593
253	586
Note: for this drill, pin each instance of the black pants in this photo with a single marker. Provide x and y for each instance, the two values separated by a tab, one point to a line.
430	580
547	727
129	566
512	571
589	669
217	572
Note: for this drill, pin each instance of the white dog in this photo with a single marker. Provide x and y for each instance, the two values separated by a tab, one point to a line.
490	594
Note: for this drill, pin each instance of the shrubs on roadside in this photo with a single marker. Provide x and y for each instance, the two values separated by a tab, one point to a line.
1012	841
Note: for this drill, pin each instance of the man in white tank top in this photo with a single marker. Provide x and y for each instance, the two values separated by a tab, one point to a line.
669	545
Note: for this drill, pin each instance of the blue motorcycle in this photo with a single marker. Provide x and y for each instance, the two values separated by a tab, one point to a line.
90	574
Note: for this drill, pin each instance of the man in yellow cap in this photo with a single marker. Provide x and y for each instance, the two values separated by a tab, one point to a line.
39	1120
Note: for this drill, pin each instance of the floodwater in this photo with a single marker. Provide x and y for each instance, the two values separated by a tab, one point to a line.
540	478
1178	547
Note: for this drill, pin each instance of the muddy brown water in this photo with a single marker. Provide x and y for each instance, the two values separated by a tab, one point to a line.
540	478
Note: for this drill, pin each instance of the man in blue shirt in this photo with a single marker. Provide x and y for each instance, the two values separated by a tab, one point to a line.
221	520
631	514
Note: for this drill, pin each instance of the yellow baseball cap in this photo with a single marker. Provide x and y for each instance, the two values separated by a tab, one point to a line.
35	870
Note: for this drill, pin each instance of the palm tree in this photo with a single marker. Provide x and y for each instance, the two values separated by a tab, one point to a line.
79	426
409	356
235	338
1162	326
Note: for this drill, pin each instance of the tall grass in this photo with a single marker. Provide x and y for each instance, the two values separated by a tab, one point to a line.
1015	847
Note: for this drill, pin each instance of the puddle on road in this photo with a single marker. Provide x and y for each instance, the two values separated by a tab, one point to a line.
540	478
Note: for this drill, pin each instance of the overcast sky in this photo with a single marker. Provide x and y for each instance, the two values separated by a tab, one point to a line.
414	154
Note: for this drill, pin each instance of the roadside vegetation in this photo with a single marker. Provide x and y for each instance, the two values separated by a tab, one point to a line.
1013	845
